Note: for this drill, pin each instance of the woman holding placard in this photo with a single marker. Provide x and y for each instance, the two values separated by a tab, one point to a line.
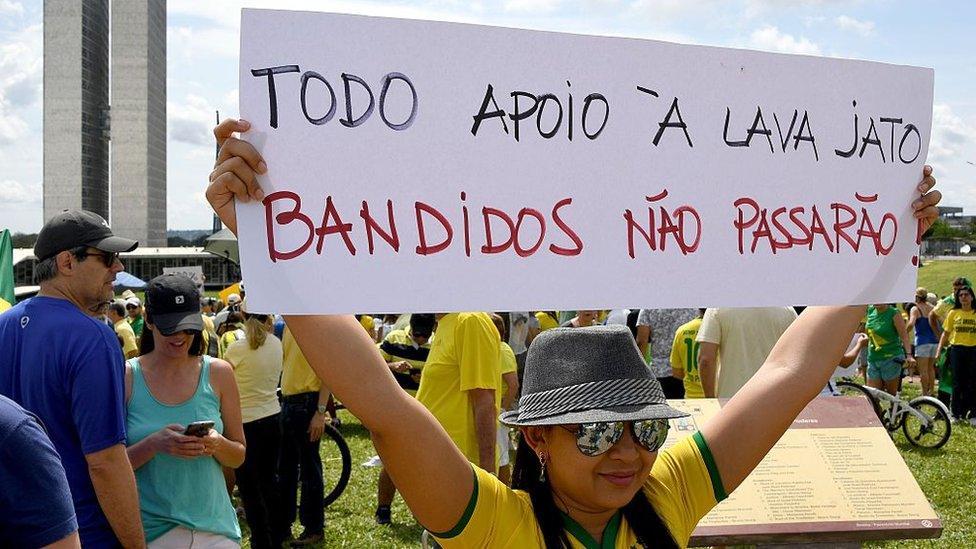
593	419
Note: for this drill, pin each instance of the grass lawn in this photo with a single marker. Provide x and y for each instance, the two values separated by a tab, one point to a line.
937	276
947	476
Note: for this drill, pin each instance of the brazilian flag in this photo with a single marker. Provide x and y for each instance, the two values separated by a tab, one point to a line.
6	271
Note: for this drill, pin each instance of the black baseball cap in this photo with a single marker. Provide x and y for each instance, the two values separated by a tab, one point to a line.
173	304
72	228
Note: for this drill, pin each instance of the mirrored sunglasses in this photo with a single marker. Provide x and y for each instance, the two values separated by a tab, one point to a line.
594	439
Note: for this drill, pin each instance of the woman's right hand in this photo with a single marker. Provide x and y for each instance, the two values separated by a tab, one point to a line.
235	172
171	440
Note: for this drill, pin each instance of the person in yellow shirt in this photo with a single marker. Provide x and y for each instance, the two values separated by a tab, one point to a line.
231	330
304	412
127	338
959	336
684	357
547	320
510	384
460	384
405	352
593	418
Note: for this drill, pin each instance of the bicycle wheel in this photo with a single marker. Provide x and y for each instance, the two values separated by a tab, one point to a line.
854	390
933	434
336	463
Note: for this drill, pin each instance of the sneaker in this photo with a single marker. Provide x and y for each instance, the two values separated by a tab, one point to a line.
383	514
306	539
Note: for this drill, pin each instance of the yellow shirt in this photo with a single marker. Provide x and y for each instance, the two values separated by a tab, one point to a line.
680	488
296	376
546	322
257	372
463	356
684	357
231	335
508	364
128	338
962	327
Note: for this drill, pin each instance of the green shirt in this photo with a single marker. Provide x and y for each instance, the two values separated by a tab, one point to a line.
137	323
884	342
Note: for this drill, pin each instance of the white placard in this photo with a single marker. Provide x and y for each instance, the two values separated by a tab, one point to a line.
675	176
193	272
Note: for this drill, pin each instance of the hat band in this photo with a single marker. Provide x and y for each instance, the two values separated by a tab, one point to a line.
595	394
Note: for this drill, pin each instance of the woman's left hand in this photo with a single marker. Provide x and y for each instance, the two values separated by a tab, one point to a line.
925	208
211	442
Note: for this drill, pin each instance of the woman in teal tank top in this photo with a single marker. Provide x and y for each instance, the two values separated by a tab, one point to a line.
182	496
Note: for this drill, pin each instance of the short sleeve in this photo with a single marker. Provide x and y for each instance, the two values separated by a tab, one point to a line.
507	356
477	344
684	486
711	329
97	394
35	497
949	319
496	516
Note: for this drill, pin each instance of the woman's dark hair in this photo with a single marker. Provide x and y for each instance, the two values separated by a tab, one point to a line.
640	514
147	344
955	295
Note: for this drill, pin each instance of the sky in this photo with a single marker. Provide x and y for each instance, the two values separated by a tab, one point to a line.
202	69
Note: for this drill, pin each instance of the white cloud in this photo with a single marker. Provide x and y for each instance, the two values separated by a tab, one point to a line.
7	7
13	192
864	28
191	120
186	44
21	72
770	38
950	134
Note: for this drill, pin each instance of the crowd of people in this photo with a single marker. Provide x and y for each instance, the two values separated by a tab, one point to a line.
130	423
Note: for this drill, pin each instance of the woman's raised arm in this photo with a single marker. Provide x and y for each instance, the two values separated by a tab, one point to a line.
430	472
796	370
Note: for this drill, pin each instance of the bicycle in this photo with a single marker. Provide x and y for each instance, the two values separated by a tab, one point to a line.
924	420
336	459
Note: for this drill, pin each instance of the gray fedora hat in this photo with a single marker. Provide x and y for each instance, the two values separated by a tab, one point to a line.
582	375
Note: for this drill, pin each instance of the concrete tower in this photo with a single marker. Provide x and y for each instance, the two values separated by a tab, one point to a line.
139	120
76	116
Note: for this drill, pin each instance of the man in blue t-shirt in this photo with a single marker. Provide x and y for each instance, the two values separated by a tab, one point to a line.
35	502
67	368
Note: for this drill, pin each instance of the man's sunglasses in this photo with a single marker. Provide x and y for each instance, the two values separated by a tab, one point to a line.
594	439
108	259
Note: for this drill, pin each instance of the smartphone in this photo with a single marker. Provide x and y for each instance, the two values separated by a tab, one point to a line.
198	428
